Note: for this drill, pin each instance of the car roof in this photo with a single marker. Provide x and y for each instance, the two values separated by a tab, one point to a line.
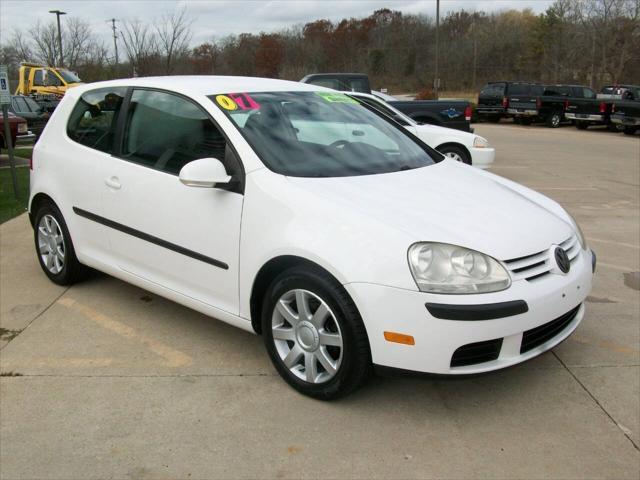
201	85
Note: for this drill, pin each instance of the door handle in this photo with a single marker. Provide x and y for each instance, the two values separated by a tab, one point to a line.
113	182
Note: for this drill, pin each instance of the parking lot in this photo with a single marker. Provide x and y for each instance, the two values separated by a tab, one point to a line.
104	380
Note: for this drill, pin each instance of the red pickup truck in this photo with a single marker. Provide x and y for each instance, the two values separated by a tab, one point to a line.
17	125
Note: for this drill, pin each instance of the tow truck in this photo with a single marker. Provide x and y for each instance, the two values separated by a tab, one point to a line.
46	85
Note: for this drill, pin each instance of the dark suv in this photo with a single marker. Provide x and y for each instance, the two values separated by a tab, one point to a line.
493	100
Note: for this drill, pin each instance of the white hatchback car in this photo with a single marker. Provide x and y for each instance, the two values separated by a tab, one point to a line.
461	146
294	211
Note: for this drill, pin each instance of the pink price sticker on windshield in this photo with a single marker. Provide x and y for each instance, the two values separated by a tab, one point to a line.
244	101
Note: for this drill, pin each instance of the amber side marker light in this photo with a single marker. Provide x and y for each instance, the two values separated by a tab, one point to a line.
399	338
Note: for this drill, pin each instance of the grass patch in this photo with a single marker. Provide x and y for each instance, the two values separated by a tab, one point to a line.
9	206
20	152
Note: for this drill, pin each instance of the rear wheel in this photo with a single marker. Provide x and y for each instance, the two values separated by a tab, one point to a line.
581	125
455	153
314	334
54	247
615	127
554	119
630	130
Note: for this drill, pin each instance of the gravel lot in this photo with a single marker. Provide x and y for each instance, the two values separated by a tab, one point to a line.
118	383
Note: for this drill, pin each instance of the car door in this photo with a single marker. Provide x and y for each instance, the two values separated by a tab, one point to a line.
86	156
184	238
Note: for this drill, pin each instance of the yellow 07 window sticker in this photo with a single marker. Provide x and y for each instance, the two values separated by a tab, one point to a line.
226	102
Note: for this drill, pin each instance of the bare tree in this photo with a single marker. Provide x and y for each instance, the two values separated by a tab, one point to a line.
77	41
140	44
21	46
45	42
174	34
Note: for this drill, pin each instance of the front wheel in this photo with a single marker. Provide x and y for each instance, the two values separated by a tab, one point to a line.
54	247
630	130
314	334
455	153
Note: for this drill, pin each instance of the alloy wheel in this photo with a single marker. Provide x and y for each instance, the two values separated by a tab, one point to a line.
51	244
307	336
454	156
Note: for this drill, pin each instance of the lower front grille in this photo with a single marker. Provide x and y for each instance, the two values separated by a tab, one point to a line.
474	353
537	336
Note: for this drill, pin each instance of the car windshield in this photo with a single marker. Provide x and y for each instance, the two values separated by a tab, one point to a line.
33	105
321	134
68	76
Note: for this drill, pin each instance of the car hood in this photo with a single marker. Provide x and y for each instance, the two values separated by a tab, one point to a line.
447	202
436	130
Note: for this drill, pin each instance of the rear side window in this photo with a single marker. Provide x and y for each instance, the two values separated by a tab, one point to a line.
93	120
20	105
525	89
166	131
38	78
493	89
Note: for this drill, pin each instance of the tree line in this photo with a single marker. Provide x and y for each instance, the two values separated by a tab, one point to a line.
590	42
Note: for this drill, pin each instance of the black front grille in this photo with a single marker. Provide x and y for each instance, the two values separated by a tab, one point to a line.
479	352
539	335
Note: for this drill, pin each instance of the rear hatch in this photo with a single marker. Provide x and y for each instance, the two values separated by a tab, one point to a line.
524	96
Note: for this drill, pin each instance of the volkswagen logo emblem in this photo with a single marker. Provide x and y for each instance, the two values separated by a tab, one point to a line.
564	264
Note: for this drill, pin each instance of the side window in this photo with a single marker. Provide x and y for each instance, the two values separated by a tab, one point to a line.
38	78
93	120
166	131
53	80
588	93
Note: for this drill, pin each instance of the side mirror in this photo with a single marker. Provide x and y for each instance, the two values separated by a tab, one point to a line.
205	172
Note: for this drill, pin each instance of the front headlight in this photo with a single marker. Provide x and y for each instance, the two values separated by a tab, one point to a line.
578	230
444	268
479	142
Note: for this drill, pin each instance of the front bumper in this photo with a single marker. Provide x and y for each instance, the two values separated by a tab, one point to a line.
482	157
584	117
437	340
624	120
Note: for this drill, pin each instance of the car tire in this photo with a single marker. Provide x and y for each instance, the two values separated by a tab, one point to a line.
554	119
581	125
630	130
54	247
455	153
325	358
615	127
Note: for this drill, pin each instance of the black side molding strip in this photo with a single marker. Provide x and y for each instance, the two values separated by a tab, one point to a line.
150	238
486	311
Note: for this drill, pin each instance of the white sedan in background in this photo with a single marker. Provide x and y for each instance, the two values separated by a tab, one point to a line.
458	145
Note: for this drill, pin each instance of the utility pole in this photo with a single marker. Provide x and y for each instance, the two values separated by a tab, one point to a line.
436	81
115	37
58	13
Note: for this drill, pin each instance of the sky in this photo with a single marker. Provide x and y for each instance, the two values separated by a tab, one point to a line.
217	18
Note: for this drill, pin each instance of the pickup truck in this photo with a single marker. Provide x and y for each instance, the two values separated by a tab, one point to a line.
597	111
445	113
546	103
626	113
